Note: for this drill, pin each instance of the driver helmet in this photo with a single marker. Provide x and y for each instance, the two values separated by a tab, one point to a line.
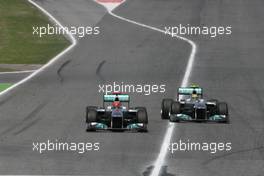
116	103
194	94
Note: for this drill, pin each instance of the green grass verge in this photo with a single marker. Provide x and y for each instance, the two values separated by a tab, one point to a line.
6	70
17	43
4	86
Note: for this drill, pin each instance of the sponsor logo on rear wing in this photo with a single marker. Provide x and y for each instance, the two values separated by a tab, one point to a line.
190	90
116	97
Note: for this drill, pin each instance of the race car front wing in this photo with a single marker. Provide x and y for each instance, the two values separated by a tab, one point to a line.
137	127
184	117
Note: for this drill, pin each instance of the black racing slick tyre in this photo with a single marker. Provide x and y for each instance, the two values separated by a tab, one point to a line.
91	114
222	109
166	108
142	115
175	108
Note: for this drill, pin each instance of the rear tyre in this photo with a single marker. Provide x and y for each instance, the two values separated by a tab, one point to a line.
142	115
222	109
166	108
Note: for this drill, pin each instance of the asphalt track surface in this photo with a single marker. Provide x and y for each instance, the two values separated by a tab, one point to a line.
51	105
12	77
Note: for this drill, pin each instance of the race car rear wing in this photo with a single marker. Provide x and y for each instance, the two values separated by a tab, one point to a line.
113	97
190	91
116	97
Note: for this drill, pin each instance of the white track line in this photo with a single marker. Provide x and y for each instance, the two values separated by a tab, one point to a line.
170	128
17	72
73	41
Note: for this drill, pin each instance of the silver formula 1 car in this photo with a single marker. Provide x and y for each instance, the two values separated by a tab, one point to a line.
190	106
115	116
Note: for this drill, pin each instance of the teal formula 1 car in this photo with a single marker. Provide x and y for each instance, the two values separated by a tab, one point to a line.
190	106
115	116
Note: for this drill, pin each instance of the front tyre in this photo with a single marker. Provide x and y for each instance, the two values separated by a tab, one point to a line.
166	108
222	109
176	108
91	115
142	115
